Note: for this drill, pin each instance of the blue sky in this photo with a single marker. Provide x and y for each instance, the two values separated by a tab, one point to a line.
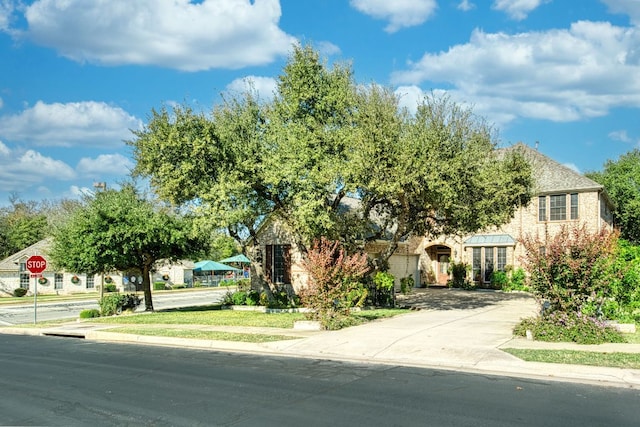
76	75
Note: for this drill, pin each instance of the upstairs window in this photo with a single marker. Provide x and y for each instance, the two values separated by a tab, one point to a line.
574	206
558	207
542	208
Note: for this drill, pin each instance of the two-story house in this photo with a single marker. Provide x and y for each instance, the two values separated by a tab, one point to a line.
562	197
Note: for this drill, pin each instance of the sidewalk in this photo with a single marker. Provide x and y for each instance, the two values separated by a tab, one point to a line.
452	329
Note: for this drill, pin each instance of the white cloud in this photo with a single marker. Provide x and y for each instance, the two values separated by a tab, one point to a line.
466	5
104	165
620	135
181	34
572	166
558	75
6	10
627	7
399	13
517	9
4	150
23	169
75	192
77	123
328	48
264	87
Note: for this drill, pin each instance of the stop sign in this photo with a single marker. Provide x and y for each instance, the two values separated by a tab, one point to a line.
36	264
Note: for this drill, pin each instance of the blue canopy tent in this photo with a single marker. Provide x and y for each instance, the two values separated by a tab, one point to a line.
237	258
208	265
212	267
241	260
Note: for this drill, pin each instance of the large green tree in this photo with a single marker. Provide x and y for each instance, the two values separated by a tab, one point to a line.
119	230
433	172
323	137
251	159
621	180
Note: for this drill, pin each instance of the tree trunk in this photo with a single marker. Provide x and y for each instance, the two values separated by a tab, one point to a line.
146	287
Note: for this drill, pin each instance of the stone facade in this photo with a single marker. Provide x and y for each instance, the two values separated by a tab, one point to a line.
562	197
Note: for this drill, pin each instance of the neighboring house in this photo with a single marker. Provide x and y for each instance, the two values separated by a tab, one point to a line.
14	274
562	196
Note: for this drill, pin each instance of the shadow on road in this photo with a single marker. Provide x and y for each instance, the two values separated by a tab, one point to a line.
456	299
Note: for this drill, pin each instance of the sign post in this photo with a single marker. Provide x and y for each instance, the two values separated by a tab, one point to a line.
36	265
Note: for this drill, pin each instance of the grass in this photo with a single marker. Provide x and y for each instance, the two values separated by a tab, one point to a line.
207	316
574	357
203	335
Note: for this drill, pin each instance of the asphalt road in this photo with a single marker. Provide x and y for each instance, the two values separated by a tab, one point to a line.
24	313
71	382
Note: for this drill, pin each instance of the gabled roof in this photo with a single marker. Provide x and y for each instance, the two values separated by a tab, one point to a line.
551	176
11	262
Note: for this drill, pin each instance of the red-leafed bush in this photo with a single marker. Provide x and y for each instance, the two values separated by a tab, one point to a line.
334	283
571	268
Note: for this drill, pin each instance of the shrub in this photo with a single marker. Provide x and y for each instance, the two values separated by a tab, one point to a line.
253	297
110	287
239	298
110	304
333	275
499	280
573	267
406	284
459	277
568	327
20	292
383	292
89	313
517	281
115	303
159	286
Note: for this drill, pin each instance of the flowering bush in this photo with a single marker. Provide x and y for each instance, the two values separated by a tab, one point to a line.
334	283
571	268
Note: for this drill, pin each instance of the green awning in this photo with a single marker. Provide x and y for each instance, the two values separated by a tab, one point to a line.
490	240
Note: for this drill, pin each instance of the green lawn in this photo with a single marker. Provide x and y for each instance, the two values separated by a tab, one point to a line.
212	315
207	316
574	357
199	334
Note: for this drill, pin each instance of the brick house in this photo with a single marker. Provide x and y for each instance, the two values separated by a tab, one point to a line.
562	196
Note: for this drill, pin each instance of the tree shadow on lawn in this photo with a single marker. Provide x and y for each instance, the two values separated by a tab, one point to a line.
457	299
191	309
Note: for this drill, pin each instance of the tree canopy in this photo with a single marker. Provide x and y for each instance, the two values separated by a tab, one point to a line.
621	180
120	230
322	138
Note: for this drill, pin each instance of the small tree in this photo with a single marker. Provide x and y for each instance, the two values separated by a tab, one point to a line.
334	282
121	230
571	268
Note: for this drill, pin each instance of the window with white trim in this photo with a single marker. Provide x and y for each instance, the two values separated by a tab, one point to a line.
558	207
574	206
57	281
542	208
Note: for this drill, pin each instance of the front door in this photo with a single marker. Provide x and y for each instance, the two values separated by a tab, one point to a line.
443	267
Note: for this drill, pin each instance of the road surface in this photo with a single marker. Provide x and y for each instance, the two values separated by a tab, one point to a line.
72	382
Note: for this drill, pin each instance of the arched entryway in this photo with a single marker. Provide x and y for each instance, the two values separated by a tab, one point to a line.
439	259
